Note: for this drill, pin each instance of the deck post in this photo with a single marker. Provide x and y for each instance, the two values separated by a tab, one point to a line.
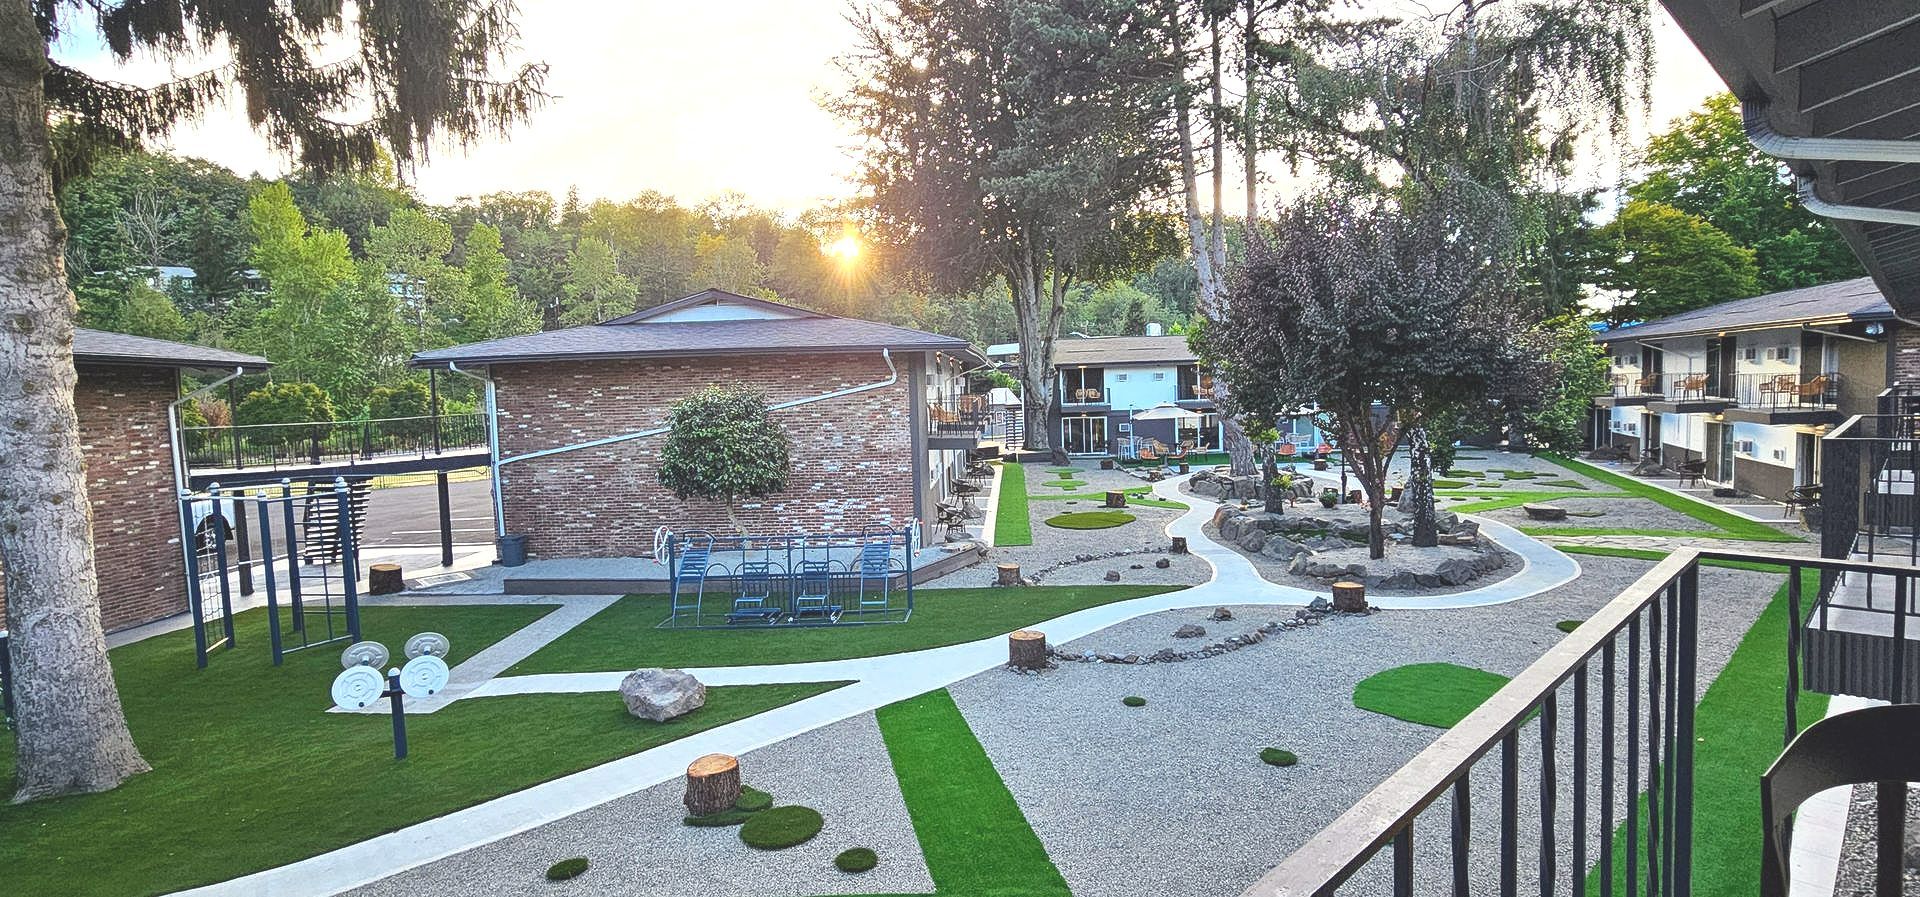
446	514
233	421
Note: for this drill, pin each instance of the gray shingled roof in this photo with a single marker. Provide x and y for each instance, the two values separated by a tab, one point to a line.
100	347
808	335
1123	350
1857	299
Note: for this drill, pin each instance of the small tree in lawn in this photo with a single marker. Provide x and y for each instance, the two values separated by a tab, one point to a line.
723	445
1376	311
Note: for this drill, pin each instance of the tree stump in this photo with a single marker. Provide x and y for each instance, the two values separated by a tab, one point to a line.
1027	649
713	785
1186	467
1349	597
1106	463
1009	575
1179	544
1116	498
385	579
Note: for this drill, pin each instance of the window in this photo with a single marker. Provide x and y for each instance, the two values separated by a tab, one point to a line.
1119	378
1159	375
1084	434
1786	354
1752	353
1082	385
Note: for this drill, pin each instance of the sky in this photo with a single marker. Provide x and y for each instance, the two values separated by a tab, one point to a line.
695	101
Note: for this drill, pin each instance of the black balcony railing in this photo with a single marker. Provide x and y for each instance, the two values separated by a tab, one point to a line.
1868	468
270	446
1637	385
1587	758
967	414
1695	385
1788	392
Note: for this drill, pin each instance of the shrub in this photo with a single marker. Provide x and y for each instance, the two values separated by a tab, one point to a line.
858	859
1568	625
285	402
723	444
1090	519
1277	757
567	868
1134	701
781	827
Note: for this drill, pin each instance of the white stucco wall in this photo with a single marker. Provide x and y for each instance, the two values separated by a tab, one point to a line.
1136	387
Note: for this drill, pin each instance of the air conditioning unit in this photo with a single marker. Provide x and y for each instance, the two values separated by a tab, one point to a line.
1126	426
1120	378
1743	446
1779	454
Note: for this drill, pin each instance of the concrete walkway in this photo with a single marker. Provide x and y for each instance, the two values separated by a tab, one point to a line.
876	682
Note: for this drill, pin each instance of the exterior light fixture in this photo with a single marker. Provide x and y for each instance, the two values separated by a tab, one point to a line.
1876	328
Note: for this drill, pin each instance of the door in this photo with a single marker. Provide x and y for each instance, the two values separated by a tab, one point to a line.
1084	434
1806	459
1714	368
1650	437
1723	466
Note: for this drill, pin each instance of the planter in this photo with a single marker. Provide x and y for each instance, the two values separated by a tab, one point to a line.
1354	497
1328	502
1185	467
1319	464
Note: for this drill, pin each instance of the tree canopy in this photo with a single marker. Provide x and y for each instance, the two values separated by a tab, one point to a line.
1659	261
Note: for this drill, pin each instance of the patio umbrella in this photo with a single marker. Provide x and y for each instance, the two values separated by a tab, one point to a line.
1167	411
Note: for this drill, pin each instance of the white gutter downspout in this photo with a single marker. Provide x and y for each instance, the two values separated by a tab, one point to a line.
1764	138
1871	214
180	462
493	447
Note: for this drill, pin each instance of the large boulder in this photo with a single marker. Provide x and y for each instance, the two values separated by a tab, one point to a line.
1256	540
661	695
1282	548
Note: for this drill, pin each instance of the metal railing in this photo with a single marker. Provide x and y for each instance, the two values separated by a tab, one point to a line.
254	446
966	414
1788	391
1695	385
1868	468
1637	385
1605	720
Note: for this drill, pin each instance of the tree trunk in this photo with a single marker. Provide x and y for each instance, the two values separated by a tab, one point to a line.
1250	113
1426	532
1036	325
1027	650
71	734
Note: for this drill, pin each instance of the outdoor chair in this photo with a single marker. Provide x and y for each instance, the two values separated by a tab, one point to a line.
754	600
690	574
1871	745
815	590
1814	392
875	566
1692	471
1693	383
1780	389
1800	498
1650	384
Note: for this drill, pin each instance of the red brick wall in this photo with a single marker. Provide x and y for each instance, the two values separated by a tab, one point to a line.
852	456
1906	353
123	436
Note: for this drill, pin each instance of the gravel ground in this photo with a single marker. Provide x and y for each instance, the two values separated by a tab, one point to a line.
638	847
1858	851
1170	799
1635	513
1275	570
1145	635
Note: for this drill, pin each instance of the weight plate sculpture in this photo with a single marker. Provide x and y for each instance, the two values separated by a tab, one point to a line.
357	687
423	676
364	654
427	643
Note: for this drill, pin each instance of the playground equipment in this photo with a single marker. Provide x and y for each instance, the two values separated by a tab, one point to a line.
308	559
360	682
813	579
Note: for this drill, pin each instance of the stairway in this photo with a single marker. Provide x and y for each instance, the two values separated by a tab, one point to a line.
319	520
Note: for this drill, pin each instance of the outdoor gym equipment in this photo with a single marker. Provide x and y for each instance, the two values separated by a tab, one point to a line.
360	682
810	579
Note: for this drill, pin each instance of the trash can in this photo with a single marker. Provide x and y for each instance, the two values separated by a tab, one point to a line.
513	549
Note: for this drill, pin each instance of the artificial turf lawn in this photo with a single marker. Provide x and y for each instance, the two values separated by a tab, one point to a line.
781	827
1136	495
1648	554
1431	694
1090	519
624	637
1066	484
976	841
1010	523
250	772
1738	724
1733	525
1516	499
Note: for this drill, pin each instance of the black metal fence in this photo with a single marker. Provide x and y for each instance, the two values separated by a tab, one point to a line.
1587	759
255	446
966	414
1868	468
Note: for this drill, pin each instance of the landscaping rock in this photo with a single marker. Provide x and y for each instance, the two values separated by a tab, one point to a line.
660	694
1190	630
1544	512
1112	576
1221	614
1162	564
1254	541
1282	548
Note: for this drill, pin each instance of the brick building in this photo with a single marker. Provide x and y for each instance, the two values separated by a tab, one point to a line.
125	387
580	413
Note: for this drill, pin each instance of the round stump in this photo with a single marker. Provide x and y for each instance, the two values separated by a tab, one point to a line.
1116	498
1179	545
1007	575
1027	649
713	785
1349	597
385	579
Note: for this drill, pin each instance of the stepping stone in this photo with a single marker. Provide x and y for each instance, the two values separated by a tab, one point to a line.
1544	512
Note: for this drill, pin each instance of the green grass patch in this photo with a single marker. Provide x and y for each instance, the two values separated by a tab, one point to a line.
1735	526
250	772
625	637
1515	499
1134	701
1487	485
856	860
1011	525
1465	474
1738	726
565	869
1449	484
1517	474
976	841
1090	519
1063	472
1276	757
782	827
1565	484
1066	484
1568	625
1624	531
1431	694
1136	495
1647	554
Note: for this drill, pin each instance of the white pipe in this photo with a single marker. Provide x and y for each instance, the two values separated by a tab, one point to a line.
1844	212
493	447
1764	138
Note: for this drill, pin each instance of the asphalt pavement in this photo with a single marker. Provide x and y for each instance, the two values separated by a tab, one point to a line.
410	515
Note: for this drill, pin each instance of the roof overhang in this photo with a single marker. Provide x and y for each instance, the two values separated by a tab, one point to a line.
1832	69
441	364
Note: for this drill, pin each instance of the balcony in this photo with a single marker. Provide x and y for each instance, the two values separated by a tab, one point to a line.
1630	390
371	447
1586	772
964	421
1692	392
1787	399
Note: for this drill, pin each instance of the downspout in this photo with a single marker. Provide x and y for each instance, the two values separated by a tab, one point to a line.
493	447
1844	212
1760	132
180	463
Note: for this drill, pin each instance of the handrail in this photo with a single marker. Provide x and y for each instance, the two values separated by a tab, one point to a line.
331	423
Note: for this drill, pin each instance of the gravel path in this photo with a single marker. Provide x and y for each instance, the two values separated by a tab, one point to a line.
638	847
1615	513
1857	856
1170	799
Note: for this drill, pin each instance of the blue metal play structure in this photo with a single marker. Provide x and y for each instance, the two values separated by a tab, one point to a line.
814	579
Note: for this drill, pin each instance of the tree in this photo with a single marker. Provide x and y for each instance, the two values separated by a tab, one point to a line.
1358	303
1009	138
311	325
722	443
595	289
493	308
1704	165
1578	366
400	74
729	264
1661	261
284	402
